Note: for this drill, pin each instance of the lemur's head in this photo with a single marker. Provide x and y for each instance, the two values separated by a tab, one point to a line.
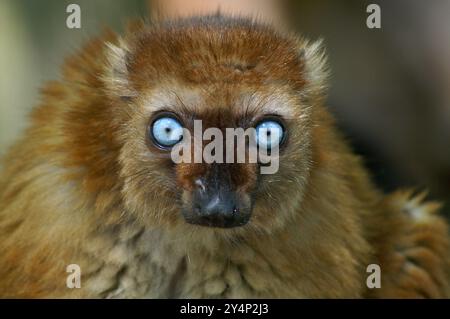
182	88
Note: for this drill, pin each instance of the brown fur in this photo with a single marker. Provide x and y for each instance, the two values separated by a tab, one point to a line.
84	186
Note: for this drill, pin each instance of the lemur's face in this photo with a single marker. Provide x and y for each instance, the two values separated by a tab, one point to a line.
189	98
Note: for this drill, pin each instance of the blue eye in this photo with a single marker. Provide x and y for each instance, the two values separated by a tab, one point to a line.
167	131
269	134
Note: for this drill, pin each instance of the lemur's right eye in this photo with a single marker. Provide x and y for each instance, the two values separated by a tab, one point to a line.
166	131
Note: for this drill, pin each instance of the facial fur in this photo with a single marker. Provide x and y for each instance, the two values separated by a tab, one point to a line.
227	76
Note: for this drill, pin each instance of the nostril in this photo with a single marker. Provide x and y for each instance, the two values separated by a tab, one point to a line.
200	185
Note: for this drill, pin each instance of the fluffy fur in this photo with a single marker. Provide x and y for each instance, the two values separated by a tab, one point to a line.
83	186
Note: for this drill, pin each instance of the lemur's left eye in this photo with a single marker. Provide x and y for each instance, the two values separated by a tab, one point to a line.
166	131
269	134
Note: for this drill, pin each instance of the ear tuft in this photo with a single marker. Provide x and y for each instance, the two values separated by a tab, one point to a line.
116	75
316	68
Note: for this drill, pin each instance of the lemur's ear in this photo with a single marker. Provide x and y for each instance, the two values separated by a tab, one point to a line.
316	70
116	75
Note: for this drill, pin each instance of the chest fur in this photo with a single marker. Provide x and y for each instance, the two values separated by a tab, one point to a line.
150	265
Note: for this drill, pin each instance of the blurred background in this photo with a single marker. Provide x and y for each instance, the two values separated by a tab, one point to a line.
390	87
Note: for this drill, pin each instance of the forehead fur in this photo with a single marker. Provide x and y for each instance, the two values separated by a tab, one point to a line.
215	51
242	103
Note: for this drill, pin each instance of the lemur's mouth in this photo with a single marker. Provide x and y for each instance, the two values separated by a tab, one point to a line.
218	218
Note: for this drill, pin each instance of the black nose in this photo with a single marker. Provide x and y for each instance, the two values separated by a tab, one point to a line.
218	210
221	208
